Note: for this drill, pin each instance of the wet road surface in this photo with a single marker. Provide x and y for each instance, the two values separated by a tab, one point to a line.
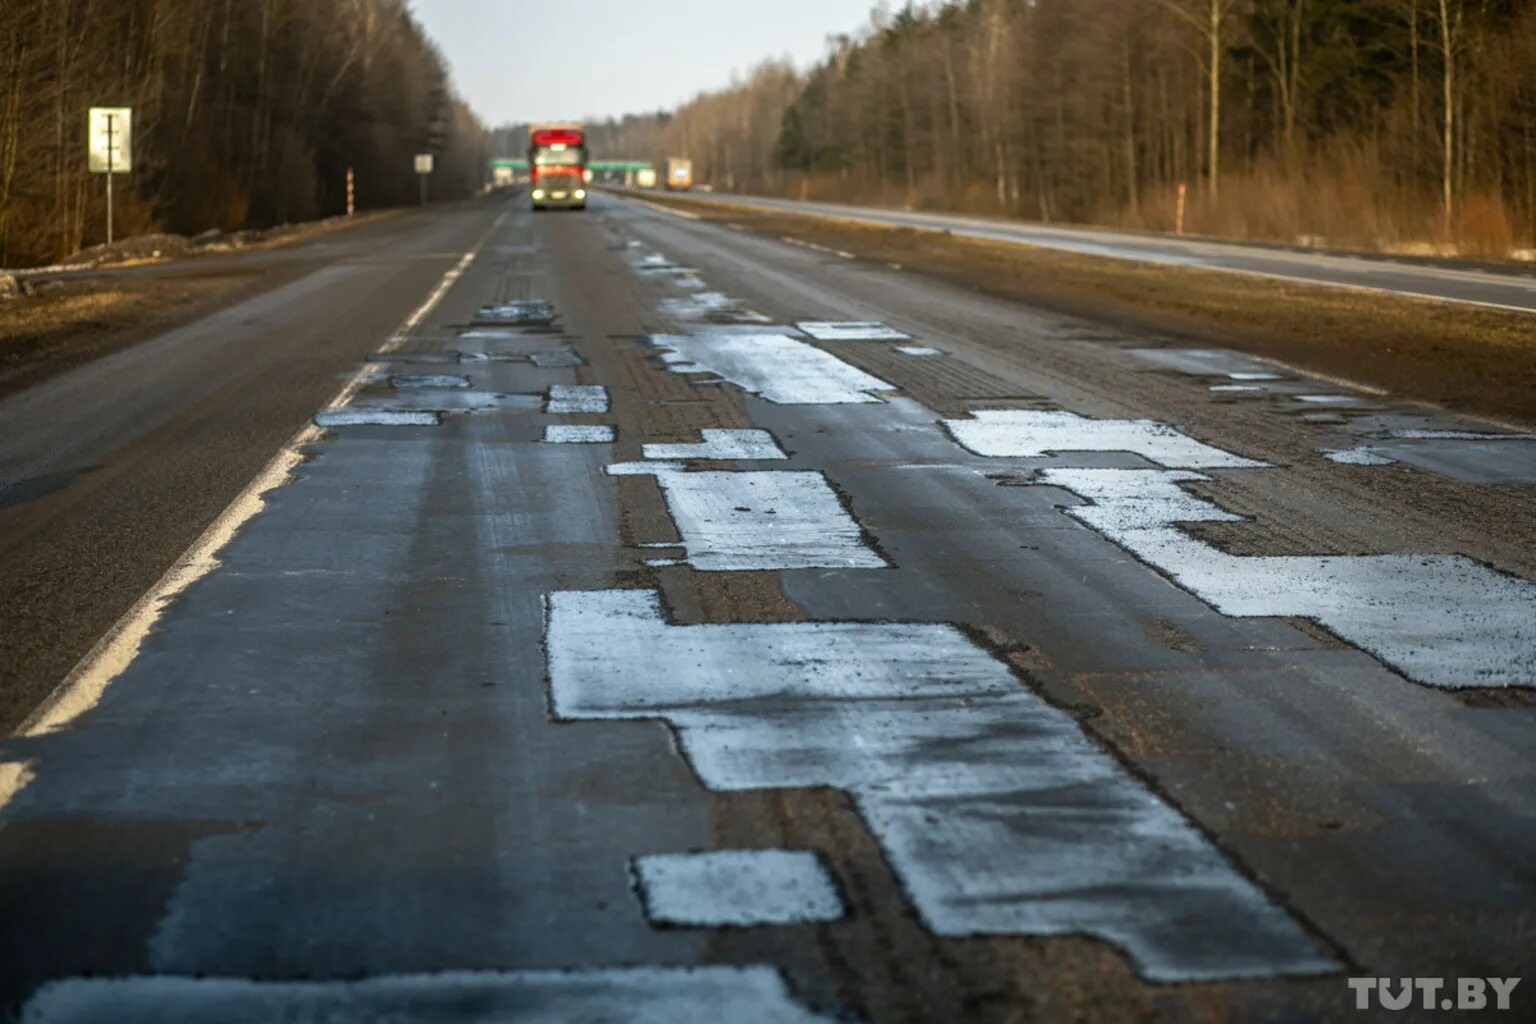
667	624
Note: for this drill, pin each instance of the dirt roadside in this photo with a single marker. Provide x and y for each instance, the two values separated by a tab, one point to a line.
1466	358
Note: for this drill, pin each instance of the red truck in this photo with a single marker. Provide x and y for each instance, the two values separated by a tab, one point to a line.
557	166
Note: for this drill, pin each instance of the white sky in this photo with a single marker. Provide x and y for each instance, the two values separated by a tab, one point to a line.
535	60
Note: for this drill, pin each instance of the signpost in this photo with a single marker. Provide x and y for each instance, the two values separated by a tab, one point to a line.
109	147
423	169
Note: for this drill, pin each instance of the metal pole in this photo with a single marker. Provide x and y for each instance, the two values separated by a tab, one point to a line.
111	154
423	178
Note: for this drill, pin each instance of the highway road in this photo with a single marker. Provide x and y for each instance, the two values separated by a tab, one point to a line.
613	616
1513	287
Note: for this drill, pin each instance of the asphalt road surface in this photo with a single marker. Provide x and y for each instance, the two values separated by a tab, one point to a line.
1504	288
657	622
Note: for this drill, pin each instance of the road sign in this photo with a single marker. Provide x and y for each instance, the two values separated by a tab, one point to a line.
423	163
110	140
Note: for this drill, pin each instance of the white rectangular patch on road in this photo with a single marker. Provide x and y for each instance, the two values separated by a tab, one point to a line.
765	520
566	434
1441	620
377	418
774	366
721	446
427	381
577	398
737	888
997	814
1029	434
851	330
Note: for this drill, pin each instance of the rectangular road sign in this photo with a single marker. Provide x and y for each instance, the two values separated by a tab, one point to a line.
423	163
110	140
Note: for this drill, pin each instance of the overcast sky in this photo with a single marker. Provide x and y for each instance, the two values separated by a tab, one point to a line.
535	60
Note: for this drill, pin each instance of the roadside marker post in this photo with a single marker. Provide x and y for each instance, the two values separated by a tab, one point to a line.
1179	216
109	148
351	194
423	171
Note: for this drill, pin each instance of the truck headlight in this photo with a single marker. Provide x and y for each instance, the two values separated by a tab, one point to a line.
538	193
581	193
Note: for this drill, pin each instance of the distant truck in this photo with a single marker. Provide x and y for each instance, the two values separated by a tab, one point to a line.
645	177
679	174
557	166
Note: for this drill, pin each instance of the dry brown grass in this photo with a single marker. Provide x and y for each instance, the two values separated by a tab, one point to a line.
71	323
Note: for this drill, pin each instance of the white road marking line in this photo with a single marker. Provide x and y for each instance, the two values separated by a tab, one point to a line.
577	398
994	809
564	434
1021	433
920	351
741	521
82	688
1440	620
737	888
774	366
721	446
637	995
851	330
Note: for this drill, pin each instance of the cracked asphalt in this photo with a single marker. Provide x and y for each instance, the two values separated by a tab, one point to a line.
755	677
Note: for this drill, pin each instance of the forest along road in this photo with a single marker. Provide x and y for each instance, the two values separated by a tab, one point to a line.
1514	288
675	624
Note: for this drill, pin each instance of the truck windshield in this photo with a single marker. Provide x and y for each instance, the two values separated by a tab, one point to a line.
547	156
